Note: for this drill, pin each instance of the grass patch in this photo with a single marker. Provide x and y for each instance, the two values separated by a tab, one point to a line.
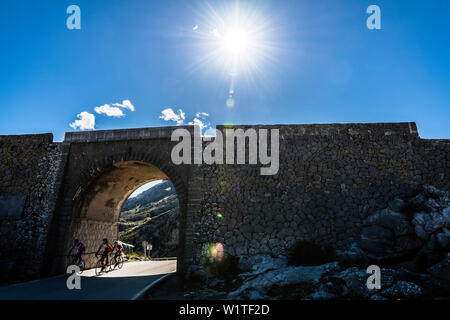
137	254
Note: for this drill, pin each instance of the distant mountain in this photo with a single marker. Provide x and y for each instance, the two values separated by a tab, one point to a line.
152	216
153	194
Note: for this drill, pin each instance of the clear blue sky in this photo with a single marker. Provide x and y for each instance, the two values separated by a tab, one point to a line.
145	187
324	65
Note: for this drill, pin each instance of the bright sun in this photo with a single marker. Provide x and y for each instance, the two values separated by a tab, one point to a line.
236	42
235	48
236	38
239	40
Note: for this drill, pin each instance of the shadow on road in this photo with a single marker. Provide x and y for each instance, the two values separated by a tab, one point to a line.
104	287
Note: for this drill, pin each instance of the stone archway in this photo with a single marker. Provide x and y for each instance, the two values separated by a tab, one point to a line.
97	208
94	186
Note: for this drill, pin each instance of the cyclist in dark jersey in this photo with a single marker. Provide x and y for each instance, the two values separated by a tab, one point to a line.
80	249
107	249
119	249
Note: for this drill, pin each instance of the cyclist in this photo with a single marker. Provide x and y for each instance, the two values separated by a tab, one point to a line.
79	248
119	249
107	249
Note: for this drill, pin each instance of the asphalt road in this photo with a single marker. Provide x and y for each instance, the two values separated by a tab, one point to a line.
121	284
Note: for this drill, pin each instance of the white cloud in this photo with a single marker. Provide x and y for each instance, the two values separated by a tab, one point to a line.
109	111
125	104
200	118
202	115
169	115
86	121
198	122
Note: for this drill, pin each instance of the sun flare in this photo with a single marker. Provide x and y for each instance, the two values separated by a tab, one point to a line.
235	38
237	41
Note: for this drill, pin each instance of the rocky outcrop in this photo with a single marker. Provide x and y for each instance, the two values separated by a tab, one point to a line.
408	240
419	227
273	275
387	234
265	277
353	256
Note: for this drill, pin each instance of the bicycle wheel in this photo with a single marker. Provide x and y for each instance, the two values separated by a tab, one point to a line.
113	262
82	266
98	268
110	266
120	263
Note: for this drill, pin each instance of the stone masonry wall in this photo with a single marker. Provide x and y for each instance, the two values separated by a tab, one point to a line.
29	183
92	232
330	178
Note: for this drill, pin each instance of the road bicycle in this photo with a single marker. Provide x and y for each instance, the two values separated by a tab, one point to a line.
116	262
99	266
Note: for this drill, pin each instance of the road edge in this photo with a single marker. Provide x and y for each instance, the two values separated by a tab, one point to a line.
151	285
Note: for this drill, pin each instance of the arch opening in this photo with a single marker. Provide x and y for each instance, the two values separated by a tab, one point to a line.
97	208
151	215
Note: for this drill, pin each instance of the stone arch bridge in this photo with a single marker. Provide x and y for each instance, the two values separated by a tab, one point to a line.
331	176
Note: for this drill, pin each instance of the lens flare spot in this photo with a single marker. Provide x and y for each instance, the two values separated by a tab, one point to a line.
212	251
219	251
230	103
219	215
